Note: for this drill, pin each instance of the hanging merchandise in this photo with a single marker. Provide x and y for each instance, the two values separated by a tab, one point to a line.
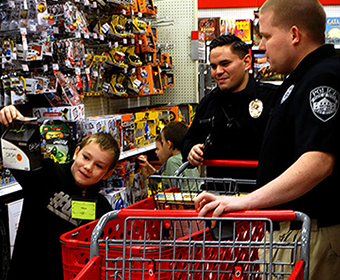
70	94
94	48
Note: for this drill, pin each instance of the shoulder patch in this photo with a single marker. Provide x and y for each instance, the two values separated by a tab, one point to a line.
324	102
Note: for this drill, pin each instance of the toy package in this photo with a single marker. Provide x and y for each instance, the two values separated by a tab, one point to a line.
20	145
243	29
262	70
56	141
332	30
114	127
61	113
134	181
128	132
210	26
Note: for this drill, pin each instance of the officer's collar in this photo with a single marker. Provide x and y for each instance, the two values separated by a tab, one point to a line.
316	55
247	90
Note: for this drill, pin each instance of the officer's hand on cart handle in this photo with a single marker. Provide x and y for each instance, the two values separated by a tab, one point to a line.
8	114
206	202
196	153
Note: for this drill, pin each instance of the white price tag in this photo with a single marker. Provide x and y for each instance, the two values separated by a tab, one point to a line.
137	83
25	67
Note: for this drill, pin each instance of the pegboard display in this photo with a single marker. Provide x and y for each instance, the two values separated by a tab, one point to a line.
105	106
180	17
184	16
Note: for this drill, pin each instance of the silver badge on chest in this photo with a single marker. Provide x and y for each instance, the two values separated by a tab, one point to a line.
255	108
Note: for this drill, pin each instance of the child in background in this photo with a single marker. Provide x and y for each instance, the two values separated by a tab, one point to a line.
148	168
168	151
50	194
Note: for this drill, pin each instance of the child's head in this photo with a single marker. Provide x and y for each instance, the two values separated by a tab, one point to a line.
94	159
173	134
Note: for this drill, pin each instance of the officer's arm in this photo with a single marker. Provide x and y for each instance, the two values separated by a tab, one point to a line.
309	170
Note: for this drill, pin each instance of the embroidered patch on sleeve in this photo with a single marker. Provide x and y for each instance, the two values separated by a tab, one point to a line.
324	102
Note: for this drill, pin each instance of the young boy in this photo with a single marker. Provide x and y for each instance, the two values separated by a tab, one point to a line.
52	196
169	152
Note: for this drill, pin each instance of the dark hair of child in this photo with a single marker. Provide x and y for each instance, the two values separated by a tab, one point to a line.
175	131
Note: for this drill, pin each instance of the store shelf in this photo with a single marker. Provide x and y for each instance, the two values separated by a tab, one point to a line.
9	188
138	151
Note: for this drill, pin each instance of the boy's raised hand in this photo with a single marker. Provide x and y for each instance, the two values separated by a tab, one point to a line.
8	114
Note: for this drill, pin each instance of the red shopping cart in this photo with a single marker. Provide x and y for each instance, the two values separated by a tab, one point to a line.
152	239
139	244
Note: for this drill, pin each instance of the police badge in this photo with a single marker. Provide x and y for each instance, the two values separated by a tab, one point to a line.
255	108
324	102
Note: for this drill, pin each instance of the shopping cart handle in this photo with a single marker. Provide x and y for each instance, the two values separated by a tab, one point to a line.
274	215
230	163
181	169
219	163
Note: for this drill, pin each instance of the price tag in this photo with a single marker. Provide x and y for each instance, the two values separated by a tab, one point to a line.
25	67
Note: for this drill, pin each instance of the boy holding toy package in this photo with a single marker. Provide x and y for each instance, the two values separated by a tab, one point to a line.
52	195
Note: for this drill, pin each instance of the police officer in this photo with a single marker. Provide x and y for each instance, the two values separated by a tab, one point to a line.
299	162
235	113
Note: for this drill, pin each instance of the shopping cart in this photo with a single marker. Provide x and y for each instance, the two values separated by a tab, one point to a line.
152	239
139	244
184	189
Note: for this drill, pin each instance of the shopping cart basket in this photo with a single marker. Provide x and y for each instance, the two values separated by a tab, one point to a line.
184	189
138	244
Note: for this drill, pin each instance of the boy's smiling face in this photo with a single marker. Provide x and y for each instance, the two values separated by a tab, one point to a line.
91	164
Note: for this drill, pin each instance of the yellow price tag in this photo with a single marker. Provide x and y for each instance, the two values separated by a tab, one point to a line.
83	210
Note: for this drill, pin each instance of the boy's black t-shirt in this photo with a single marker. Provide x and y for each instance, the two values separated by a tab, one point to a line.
46	215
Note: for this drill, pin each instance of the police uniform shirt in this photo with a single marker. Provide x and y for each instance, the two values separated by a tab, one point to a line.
306	118
235	133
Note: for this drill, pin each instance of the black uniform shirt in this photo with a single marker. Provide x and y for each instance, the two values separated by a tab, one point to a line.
46	214
236	134
306	118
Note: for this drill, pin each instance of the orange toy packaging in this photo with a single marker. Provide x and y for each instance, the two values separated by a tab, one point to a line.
157	80
145	75
128	132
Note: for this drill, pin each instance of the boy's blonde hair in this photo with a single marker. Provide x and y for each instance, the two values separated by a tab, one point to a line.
308	15
106	143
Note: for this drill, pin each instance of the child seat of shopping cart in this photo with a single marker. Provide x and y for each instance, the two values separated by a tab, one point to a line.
147	240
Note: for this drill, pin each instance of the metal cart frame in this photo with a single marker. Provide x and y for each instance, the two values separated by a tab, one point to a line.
165	263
